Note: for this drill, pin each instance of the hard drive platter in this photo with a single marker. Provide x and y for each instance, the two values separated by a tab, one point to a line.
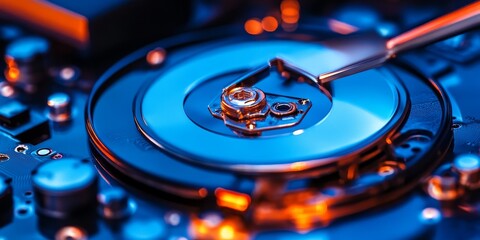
363	141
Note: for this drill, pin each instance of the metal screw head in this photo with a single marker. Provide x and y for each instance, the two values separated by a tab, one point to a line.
243	96
244	102
283	108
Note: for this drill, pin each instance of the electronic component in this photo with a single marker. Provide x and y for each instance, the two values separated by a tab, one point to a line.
229	132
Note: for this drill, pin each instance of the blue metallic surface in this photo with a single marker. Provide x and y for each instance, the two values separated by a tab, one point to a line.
371	105
74	175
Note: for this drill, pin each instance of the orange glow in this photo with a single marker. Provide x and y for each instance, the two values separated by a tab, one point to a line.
443	188
269	24
289	4
352	172
202	229
253	26
298	166
290	11
230	228
290	15
10	61
305	216
290	19
156	56
386	170
389	141
202	192
233	200
49	16
341	27
12	74
227	232
305	209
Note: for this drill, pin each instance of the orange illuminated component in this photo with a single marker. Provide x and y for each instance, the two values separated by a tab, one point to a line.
304	217
12	74
298	166
202	192
269	24
228	229
233	200
290	10
253	26
386	170
288	4
156	56
290	19
49	16
305	209
10	61
341	27
227	232
202	229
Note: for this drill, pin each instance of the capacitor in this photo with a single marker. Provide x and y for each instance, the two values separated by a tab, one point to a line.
27	62
59	107
468	167
8	33
114	203
65	187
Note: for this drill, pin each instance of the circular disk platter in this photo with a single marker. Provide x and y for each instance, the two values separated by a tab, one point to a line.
222	113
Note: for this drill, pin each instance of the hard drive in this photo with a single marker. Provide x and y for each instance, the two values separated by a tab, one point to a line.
229	132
